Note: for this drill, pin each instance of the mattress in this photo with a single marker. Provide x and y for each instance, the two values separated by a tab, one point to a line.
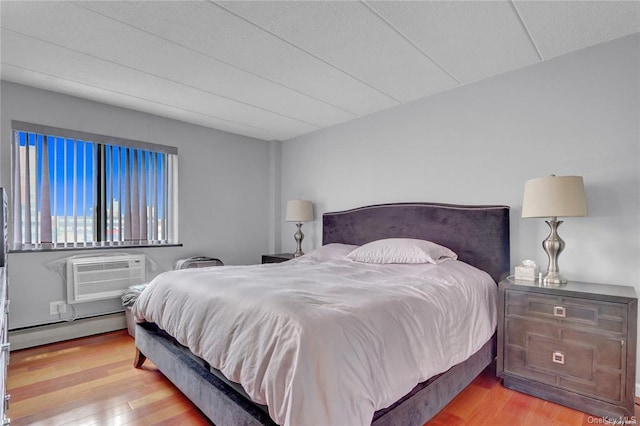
322	339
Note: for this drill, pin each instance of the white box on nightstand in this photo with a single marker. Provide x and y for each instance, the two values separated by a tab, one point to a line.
528	271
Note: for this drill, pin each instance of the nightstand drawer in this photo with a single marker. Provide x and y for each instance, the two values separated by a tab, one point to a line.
591	364
594	314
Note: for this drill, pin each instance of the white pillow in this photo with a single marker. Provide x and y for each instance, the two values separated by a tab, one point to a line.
401	250
330	251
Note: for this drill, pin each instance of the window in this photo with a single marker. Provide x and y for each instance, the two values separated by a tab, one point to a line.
76	189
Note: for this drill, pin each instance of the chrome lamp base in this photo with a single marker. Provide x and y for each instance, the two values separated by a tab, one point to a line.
299	236
553	246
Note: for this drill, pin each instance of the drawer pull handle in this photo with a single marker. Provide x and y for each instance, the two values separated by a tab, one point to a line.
559	311
558	357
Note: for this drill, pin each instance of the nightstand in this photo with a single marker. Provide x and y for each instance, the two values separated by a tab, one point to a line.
573	344
276	258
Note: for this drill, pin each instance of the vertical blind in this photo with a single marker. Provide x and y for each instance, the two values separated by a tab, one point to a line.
76	189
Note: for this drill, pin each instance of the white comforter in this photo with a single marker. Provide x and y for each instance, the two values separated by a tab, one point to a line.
326	342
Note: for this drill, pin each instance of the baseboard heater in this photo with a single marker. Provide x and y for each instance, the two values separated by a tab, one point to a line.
51	333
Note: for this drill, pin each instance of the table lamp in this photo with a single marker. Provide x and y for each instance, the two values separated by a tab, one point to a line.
299	211
554	196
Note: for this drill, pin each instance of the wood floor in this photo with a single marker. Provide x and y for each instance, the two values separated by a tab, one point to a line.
91	381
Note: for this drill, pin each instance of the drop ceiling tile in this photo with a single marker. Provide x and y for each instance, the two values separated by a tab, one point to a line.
32	54
564	26
85	31
208	29
72	88
471	40
352	38
281	69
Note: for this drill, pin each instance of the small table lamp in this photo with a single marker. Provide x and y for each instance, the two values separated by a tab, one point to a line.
299	211
554	196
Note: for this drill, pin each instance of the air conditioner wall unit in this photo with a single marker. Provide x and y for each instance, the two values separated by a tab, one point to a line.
104	277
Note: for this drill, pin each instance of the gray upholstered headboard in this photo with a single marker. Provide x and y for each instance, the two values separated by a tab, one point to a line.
478	234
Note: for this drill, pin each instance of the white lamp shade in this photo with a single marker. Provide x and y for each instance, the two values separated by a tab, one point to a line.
554	196
299	211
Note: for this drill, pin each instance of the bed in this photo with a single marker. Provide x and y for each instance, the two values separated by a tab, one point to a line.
478	234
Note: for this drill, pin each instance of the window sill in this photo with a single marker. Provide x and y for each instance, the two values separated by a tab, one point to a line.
80	247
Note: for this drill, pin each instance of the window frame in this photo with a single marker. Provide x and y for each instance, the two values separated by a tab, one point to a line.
100	143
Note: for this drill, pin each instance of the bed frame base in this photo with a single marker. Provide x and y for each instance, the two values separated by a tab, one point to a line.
223	405
428	398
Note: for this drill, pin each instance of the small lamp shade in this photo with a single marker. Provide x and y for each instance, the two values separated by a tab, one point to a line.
299	211
554	196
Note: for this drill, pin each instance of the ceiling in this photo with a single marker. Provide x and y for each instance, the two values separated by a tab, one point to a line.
276	70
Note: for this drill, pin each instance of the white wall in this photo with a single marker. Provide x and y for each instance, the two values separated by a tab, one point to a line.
574	115
577	114
225	192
